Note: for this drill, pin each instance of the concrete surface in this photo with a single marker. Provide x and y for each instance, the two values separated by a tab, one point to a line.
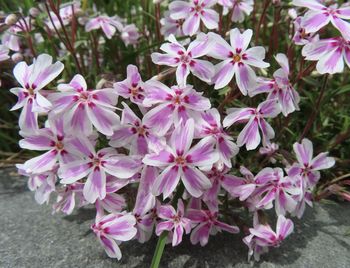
31	237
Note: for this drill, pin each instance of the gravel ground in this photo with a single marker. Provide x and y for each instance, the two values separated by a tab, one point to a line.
32	237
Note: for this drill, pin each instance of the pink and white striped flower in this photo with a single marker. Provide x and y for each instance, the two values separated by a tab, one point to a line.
240	8
95	165
11	39
130	34
208	224
262	236
272	185
66	198
113	202
301	37
42	183
256	118
32	79
145	204
308	167
236	60
235	186
174	105
209	125
113	229
280	88
180	161
186	59
194	12
330	54
67	12
132	87
174	221
320	15
109	25
82	108
135	135
171	26
52	139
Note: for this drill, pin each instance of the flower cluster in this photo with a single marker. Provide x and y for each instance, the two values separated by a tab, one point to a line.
156	156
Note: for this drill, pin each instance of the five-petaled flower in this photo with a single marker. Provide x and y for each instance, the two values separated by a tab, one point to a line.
174	221
82	108
307	166
174	105
329	53
33	78
95	165
208	224
280	87
256	120
194	12
179	160
236	60
132	87
320	15
109	25
262	236
186	59
112	229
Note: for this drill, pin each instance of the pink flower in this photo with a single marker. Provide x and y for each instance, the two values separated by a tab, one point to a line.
330	54
171	26
130	34
256	120
300	36
109	25
95	165
175	221
186	59
262	236
236	60
209	125
308	167
135	135
67	12
52	139
112	202
112	229
179	161
235	186
11	40
280	87
66	198
208	224
269	151
194	12
132	87
82	108
271	185
32	79
42	183
174	105
241	8
4	53
319	16
145	204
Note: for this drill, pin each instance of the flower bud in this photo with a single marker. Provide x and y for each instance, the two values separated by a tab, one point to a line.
17	57
11	19
34	12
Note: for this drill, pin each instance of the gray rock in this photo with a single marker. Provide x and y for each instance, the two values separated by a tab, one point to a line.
32	237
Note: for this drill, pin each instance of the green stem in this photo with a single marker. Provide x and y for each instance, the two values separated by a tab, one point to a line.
159	250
